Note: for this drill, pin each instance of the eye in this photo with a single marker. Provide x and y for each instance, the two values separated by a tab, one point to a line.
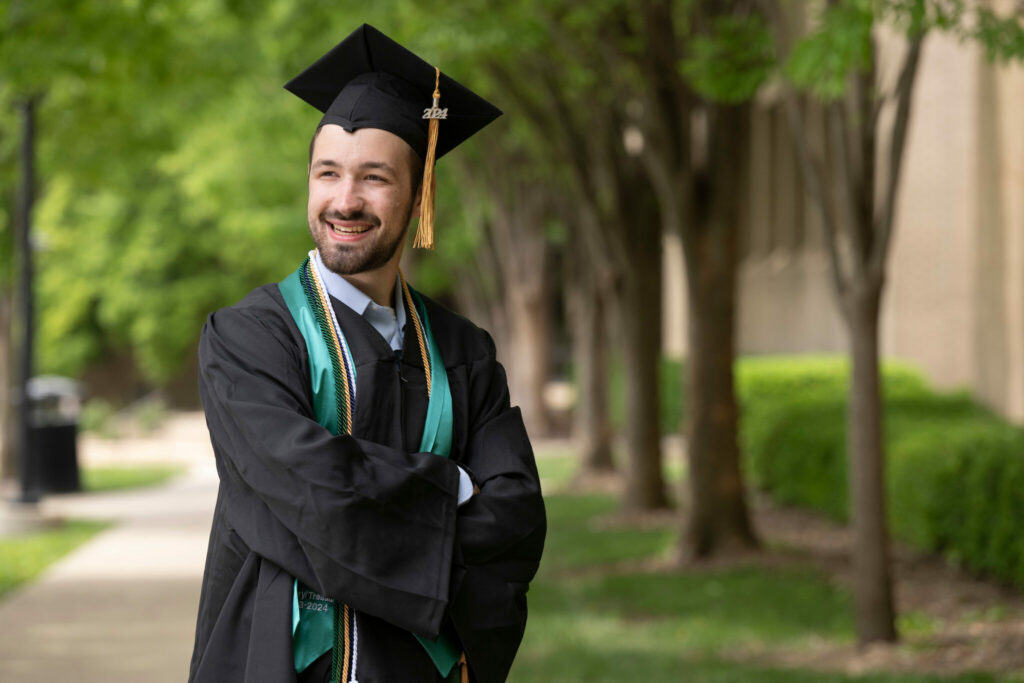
373	177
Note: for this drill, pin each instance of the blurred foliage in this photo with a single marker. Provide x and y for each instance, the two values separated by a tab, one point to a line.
822	61
97	417
731	62
170	164
839	40
955	472
170	161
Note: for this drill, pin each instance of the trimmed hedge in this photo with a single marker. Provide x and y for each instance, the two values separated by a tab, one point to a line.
955	472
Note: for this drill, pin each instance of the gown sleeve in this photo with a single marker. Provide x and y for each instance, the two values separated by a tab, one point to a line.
362	523
500	531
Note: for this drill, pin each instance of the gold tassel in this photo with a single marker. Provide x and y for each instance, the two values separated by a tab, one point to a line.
425	230
464	675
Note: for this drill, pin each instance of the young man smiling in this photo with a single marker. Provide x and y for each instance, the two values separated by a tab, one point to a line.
362	195
379	516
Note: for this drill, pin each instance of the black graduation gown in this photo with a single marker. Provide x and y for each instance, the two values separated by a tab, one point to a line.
363	519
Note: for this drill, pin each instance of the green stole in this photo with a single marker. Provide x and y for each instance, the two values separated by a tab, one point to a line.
317	626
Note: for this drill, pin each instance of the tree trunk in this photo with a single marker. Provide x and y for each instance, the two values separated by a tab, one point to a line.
875	614
718	516
518	256
530	328
8	424
847	195
592	427
639	314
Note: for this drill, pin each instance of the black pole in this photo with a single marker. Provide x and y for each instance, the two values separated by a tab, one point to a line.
29	482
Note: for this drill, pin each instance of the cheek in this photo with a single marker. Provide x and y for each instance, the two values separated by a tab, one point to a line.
399	202
387	204
317	198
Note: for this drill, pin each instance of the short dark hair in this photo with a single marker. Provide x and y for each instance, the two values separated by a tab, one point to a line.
415	165
312	144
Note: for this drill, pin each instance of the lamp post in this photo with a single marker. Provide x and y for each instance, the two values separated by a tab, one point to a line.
26	359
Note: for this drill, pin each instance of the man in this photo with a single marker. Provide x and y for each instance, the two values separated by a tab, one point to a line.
379	515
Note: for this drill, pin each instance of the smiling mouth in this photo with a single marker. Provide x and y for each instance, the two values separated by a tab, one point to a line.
349	229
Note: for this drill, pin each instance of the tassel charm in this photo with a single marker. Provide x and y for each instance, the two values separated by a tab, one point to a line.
425	230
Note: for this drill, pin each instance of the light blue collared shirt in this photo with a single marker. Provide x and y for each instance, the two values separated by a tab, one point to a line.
388	321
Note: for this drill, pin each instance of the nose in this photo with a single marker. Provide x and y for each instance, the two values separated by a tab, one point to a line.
347	197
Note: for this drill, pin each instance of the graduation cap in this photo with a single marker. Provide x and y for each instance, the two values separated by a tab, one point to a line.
370	81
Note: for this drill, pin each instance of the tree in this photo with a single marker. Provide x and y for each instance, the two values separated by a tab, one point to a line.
616	202
705	61
118	81
519	249
545	63
855	194
584	291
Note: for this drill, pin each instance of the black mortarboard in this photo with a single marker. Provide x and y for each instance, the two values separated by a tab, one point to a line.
370	81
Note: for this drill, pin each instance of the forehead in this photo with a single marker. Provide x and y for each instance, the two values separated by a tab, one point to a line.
364	145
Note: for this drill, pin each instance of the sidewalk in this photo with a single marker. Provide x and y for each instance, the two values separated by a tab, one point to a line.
121	608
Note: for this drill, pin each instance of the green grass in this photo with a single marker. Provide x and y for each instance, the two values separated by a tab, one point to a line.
22	558
594	619
100	479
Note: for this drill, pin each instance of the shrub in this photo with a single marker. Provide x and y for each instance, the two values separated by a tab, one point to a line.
955	472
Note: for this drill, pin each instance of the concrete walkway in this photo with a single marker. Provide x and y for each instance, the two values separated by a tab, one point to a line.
122	607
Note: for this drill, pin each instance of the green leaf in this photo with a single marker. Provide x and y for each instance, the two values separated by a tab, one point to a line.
1002	38
732	62
838	45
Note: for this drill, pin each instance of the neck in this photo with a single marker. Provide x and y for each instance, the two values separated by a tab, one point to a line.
378	284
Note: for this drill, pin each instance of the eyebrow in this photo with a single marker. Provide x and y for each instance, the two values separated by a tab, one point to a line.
379	165
325	162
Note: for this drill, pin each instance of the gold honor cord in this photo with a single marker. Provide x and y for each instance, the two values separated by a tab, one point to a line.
420	339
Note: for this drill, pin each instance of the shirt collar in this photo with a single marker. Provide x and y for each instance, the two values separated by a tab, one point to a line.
353	297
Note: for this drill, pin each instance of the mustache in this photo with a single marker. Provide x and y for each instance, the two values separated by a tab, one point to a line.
359	216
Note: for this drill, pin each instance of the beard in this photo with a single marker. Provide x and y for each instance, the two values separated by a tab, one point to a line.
349	259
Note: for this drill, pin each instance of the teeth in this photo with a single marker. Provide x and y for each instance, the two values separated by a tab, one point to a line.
349	231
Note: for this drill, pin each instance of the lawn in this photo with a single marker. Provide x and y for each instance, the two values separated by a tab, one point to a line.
599	612
115	478
22	558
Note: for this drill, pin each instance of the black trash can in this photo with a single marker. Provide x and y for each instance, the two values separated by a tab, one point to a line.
54	407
